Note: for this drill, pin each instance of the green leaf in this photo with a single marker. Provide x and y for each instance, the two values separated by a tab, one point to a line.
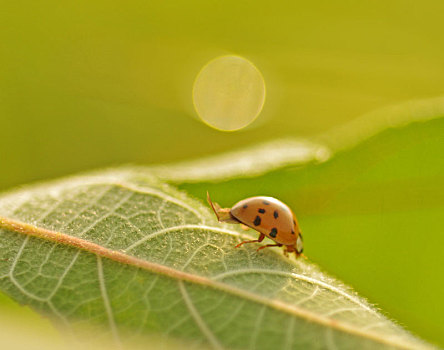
121	250
275	155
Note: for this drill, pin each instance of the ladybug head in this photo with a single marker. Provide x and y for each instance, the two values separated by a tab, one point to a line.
299	244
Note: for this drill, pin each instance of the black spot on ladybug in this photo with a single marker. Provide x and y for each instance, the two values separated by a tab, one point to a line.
257	221
261	211
266	203
292	232
245	206
273	232
275	214
294	222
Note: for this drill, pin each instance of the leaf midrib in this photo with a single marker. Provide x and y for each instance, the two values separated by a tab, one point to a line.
117	256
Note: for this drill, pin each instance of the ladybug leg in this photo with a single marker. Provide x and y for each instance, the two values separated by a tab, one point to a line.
260	239
289	249
269	245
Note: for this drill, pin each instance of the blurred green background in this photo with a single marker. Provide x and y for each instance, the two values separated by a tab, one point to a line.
90	84
87	84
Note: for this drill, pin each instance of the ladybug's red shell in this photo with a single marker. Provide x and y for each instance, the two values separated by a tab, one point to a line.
268	216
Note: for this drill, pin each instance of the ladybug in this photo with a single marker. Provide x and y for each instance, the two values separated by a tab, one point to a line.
267	215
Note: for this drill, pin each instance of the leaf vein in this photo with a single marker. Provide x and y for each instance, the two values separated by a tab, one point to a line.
106	303
298	277
177	228
197	317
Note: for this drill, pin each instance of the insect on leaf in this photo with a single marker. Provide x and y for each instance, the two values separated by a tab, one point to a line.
123	251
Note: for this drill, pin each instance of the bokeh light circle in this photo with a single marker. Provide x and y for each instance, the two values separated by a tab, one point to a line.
229	93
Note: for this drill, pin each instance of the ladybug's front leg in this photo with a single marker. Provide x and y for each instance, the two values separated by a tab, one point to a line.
260	239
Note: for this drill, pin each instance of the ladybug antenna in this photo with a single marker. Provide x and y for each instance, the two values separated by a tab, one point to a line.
214	206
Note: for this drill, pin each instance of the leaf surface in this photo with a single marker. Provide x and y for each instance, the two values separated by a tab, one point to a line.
120	249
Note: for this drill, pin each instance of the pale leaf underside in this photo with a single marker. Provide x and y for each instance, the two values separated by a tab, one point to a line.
122	251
